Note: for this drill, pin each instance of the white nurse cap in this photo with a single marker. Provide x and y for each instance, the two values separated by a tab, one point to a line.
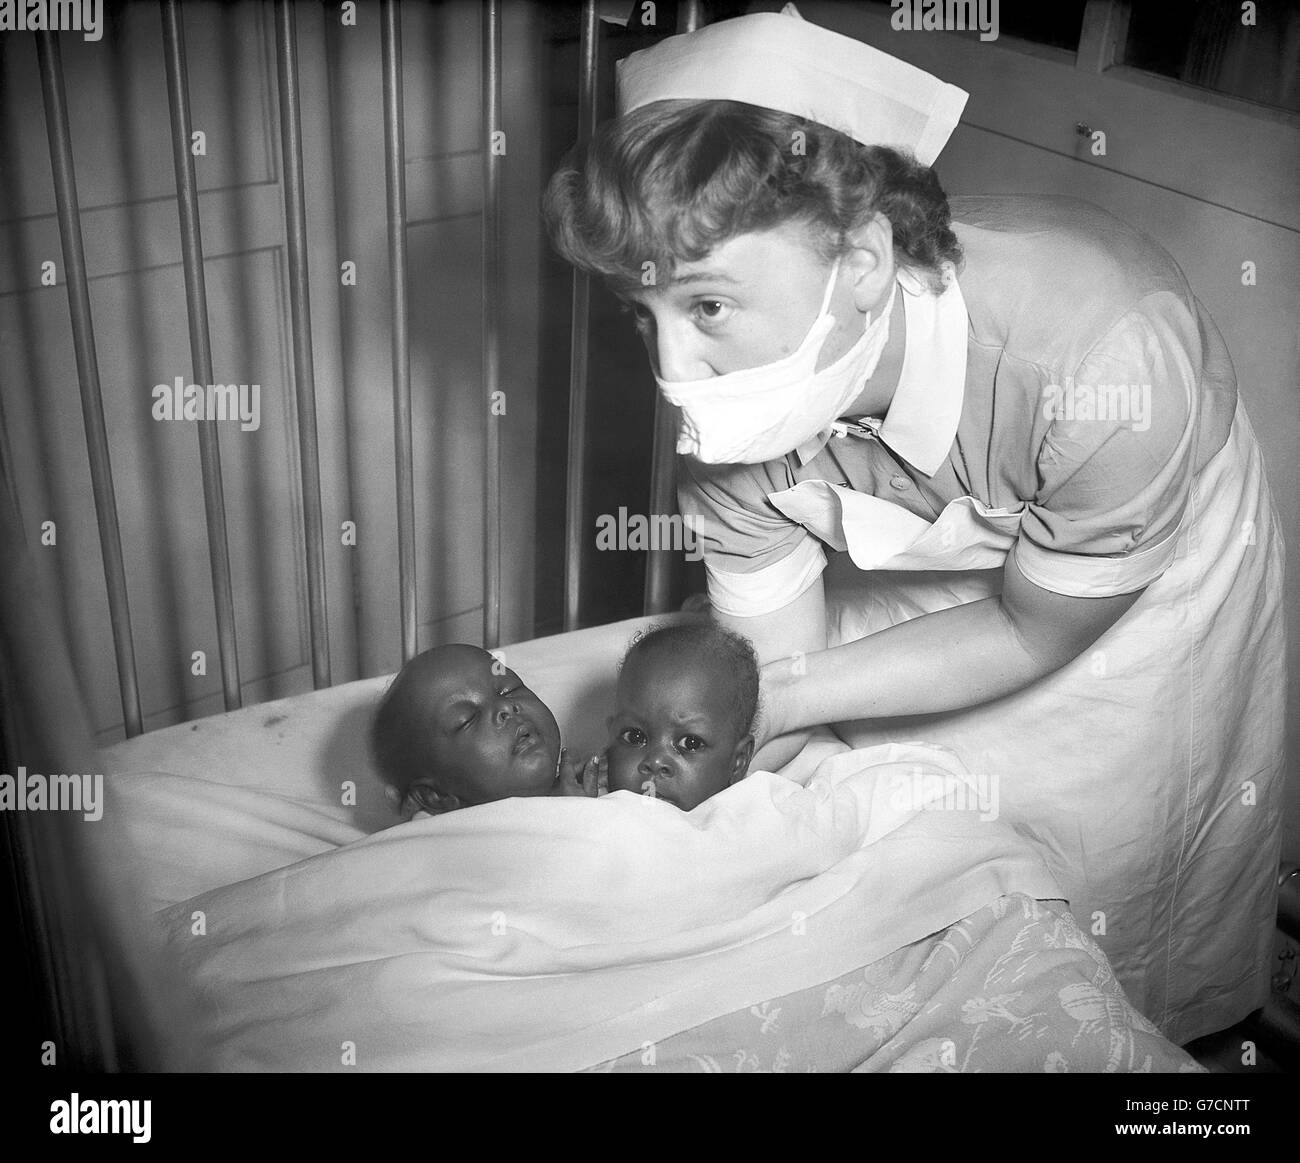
780	61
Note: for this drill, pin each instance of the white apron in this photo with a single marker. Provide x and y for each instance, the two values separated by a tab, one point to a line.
1150	769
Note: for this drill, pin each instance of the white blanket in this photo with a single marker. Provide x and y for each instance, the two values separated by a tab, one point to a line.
556	934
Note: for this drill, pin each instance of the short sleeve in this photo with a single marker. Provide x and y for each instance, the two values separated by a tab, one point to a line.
1116	464
757	559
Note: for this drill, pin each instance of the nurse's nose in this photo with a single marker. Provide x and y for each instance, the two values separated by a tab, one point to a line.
677	357
507	709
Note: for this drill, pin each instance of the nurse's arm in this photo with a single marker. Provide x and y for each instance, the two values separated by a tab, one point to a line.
944	661
789	637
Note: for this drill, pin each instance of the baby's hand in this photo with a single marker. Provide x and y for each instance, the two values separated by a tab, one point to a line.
589	778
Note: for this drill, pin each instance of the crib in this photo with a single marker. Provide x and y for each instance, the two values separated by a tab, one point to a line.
198	807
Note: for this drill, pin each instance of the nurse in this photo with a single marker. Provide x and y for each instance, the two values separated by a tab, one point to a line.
973	473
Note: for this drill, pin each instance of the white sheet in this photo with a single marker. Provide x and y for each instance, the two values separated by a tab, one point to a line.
556	934
208	803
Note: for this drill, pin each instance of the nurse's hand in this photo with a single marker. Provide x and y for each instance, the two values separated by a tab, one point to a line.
776	740
774	744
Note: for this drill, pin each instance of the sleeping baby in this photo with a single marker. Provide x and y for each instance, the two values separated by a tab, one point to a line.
456	728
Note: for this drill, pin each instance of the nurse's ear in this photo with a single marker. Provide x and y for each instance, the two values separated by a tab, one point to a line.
870	263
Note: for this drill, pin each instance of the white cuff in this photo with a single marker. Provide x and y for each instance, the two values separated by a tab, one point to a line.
1079	575
747	595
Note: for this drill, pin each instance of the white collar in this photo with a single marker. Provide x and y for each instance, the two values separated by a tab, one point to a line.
926	409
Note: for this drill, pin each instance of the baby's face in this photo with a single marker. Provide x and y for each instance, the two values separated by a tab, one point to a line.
672	735
488	736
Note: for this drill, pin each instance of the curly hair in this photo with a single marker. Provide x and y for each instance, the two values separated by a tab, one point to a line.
708	640
670	181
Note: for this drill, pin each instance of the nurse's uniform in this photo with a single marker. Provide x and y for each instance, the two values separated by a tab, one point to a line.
1066	400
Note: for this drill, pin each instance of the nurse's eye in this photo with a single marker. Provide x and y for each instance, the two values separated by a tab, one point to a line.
632	736
691	743
710	311
642	316
466	721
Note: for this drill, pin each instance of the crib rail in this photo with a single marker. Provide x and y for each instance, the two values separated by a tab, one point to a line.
492	289
92	400
196	303
395	171
295	213
579	355
658	577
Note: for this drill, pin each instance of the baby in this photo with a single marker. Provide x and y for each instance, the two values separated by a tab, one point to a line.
686	701
456	728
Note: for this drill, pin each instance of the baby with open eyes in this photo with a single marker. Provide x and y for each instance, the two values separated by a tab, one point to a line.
686	700
456	728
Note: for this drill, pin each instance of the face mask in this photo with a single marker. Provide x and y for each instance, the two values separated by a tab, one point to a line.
761	413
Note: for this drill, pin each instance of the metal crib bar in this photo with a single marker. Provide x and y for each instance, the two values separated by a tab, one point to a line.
295	213
92	400
575	482
658	568
196	302
492	287
395	170
659	562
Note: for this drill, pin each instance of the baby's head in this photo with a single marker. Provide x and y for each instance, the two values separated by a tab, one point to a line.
686	701
457	728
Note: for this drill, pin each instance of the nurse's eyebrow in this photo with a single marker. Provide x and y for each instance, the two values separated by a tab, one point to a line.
705	277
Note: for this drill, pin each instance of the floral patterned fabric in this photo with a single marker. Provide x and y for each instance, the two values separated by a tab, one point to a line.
1015	987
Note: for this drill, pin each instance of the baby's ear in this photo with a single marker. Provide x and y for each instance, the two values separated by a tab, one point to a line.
424	796
741	758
